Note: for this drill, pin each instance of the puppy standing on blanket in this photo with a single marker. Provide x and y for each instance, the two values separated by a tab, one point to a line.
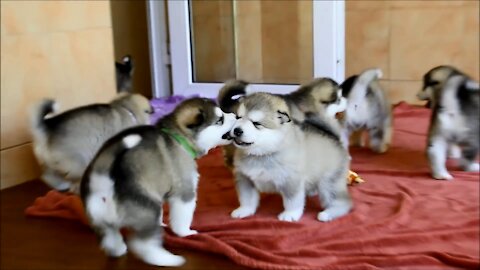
140	168
368	109
455	120
433	81
64	144
276	153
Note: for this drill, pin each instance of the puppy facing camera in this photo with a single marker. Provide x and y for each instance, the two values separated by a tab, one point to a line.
141	168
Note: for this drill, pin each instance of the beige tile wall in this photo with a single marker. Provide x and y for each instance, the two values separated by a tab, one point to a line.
130	36
407	38
58	49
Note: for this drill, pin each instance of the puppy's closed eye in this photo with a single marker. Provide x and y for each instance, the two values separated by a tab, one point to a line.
220	120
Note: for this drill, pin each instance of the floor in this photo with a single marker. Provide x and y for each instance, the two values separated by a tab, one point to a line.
47	243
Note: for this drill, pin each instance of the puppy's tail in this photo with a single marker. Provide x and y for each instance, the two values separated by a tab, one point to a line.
360	87
231	89
38	114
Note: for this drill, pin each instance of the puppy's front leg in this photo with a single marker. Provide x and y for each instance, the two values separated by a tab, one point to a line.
181	214
247	195
437	155
293	203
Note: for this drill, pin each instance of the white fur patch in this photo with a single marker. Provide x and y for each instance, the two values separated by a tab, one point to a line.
211	136
181	215
256	116
218	111
151	252
472	85
333	109
131	141
241	110
100	203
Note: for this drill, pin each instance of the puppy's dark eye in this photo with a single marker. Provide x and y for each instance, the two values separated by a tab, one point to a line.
325	102
257	124
220	121
431	83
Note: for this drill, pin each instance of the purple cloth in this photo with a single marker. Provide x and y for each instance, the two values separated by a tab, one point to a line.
165	105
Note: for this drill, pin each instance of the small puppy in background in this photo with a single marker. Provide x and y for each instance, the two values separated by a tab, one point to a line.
276	153
434	81
65	143
124	72
321	97
368	108
455	120
139	169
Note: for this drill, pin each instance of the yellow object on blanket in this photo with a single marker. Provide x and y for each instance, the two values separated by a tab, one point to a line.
353	178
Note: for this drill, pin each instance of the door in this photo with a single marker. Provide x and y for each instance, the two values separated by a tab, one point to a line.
275	45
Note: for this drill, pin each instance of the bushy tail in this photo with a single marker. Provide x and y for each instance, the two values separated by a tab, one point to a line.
37	118
360	87
229	90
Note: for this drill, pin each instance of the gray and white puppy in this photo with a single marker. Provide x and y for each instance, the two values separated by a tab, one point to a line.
276	153
368	109
65	143
139	169
455	120
321	97
434	81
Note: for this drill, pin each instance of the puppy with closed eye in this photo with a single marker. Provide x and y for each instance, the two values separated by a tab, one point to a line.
65	143
455	120
141	168
277	154
321	97
368	109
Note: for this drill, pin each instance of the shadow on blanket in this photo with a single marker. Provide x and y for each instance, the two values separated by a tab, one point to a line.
403	219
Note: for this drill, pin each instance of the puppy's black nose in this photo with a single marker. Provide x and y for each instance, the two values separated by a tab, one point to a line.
238	132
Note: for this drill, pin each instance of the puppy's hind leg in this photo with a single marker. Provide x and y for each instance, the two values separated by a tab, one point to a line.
334	198
380	138
111	240
467	161
55	180
146	243
181	214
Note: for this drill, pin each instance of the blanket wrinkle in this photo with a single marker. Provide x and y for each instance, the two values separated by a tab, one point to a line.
402	218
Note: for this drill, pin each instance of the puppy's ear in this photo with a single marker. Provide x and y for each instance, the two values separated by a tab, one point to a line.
191	118
284	117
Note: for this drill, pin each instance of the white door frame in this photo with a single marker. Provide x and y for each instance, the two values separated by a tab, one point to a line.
329	57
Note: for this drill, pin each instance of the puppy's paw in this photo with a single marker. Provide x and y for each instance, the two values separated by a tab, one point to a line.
185	233
472	167
324	216
290	216
442	176
115	251
242	212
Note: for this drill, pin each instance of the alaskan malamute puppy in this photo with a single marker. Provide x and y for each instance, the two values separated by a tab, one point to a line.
455	120
65	143
139	169
321	97
433	81
276	153
368	109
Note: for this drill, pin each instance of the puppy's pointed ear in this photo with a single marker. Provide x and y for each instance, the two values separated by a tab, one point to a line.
191	118
284	117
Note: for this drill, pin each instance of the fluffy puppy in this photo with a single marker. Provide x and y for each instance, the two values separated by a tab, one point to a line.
275	153
434	81
64	144
368	109
139	169
321	97
455	120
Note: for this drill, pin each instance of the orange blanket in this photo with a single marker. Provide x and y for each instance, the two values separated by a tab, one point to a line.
402	219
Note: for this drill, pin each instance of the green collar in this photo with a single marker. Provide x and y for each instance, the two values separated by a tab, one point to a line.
182	141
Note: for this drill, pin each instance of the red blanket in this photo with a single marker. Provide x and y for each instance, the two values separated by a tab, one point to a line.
403	219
